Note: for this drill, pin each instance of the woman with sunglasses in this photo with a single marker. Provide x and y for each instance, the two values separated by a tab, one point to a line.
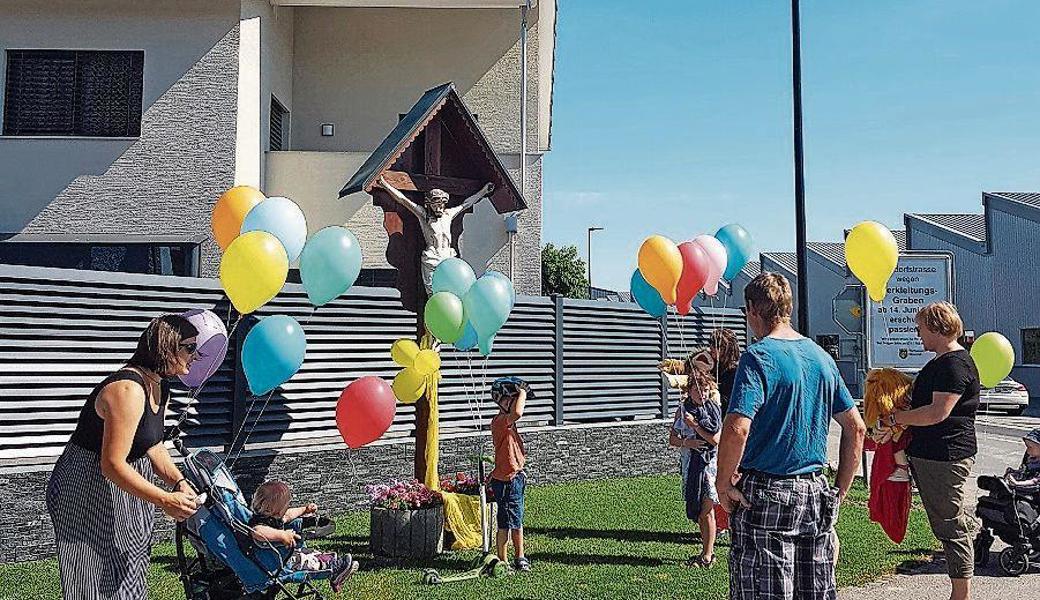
100	497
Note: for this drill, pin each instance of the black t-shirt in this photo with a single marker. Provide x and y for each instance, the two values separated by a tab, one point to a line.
726	386
953	438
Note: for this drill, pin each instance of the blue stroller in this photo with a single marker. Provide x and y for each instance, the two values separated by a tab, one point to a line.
228	562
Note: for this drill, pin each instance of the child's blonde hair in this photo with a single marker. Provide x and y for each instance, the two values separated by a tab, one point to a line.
887	390
271	498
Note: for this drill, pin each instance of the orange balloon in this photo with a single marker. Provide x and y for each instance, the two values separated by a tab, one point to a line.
231	209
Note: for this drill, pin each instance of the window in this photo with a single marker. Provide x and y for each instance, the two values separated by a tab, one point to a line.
156	259
279	126
86	93
1031	346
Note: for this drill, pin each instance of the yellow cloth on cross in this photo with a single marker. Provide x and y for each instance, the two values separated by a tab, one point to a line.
462	518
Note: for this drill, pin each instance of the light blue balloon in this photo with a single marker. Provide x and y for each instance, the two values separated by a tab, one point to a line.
469	339
739	248
512	291
272	353
283	219
453	275
329	264
487	305
646	296
485	345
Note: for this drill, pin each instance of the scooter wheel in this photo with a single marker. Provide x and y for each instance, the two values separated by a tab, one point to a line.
431	577
500	569
1013	562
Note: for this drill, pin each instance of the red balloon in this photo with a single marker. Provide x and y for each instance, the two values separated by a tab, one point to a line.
365	411
696	266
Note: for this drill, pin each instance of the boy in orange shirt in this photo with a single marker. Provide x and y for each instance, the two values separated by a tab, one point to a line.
508	479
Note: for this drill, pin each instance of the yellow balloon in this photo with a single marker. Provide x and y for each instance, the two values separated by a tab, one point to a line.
427	362
409	385
404	351
253	270
872	253
994	356
661	265
230	210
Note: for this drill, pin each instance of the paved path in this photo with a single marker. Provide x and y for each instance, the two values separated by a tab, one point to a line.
1000	446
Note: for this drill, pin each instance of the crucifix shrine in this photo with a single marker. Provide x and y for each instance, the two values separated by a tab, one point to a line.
426	175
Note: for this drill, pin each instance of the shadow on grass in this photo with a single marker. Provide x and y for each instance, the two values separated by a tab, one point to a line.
564	558
621	535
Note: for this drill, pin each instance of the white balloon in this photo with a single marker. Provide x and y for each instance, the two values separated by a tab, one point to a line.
717	256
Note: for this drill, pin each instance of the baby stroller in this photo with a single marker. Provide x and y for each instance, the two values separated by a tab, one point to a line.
1013	515
228	562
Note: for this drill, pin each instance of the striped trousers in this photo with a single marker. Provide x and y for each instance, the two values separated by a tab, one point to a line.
103	534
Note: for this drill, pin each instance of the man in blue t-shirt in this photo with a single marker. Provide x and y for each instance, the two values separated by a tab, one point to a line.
785	392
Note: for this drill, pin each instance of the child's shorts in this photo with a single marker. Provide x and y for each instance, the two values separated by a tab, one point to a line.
510	498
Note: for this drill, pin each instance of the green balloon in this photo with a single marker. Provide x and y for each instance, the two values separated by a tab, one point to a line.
444	317
994	356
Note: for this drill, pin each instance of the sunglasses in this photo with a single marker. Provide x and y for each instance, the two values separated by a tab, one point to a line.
190	347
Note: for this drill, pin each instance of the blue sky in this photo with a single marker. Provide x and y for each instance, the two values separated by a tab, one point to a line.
677	119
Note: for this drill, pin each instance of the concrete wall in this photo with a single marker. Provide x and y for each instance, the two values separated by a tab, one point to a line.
360	68
160	184
335	478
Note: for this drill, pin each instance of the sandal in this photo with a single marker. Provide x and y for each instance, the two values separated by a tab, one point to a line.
706	563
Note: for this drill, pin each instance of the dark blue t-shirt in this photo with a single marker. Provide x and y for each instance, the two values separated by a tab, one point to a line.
789	389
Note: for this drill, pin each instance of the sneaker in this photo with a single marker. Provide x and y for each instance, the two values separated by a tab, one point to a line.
900	475
342	571
522	564
328	559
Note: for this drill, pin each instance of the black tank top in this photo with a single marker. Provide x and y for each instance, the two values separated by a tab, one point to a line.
90	428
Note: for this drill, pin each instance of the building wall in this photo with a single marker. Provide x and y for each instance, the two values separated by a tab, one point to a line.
973	280
1015	267
160	184
384	59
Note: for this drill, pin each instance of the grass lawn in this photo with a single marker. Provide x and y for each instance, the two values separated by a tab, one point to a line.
623	538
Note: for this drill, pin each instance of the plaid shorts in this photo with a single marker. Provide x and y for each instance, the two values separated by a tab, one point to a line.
783	546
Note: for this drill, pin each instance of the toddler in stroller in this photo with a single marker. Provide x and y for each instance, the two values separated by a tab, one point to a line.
231	560
1011	512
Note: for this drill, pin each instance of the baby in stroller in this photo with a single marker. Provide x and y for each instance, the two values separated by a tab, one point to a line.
273	521
1011	512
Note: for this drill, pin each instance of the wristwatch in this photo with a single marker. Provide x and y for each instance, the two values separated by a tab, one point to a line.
892	420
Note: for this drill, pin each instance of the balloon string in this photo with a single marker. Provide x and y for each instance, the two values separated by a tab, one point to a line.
250	432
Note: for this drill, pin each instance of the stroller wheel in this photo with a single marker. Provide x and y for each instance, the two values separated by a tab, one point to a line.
1013	562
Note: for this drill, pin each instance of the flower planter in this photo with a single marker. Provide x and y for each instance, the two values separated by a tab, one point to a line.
406	533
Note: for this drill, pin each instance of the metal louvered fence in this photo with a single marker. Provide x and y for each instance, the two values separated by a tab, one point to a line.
63	331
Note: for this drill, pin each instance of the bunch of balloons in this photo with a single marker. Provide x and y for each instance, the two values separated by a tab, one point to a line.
994	356
466	311
261	236
421	367
364	411
671	274
871	252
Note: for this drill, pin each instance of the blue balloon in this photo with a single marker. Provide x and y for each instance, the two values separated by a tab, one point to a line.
512	291
646	296
283	219
487	305
739	248
453	275
329	264
468	341
272	353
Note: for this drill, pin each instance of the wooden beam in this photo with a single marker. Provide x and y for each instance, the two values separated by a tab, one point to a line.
433	148
414	182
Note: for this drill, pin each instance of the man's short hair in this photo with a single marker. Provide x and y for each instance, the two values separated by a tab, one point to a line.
769	294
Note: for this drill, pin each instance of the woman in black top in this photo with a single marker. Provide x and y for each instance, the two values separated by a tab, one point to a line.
942	448
100	496
725	349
